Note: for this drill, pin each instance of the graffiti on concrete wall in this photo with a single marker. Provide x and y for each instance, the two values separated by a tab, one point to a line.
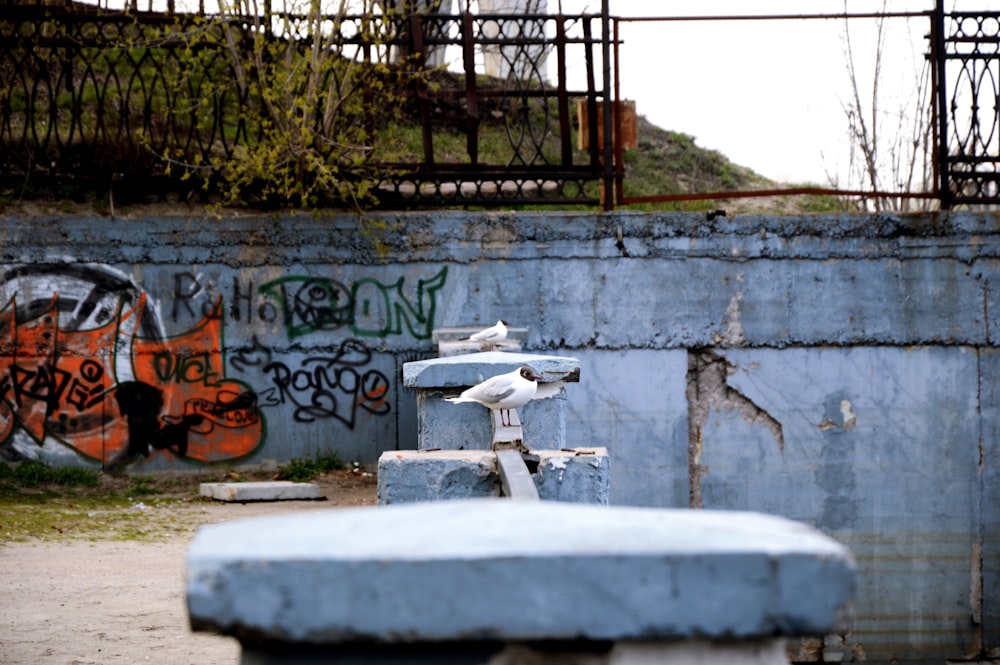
304	305
209	417
84	360
112	392
334	386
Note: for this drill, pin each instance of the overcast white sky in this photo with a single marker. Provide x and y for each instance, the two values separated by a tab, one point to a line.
767	94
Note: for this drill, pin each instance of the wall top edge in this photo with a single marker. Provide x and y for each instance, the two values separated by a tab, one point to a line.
459	236
678	223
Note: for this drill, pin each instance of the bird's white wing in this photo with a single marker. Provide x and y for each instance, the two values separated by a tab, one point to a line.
492	390
485	335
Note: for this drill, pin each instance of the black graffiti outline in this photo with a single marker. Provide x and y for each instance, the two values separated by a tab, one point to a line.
318	304
323	376
254	355
73	313
142	406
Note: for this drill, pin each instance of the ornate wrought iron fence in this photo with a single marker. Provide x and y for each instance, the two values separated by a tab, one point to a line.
90	94
967	65
964	50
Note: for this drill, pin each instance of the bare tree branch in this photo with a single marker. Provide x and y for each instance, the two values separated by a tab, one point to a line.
887	154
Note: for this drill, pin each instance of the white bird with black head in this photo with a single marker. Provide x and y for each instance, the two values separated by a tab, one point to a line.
492	335
503	392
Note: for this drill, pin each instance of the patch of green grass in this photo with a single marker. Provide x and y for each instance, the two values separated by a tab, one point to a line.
304	470
825	203
31	517
30	473
46	503
142	486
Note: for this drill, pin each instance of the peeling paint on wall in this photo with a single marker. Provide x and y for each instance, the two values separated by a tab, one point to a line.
733	333
707	389
850	418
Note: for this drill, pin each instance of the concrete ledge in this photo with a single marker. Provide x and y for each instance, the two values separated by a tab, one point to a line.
472	368
277	490
579	475
512	571
406	476
454	340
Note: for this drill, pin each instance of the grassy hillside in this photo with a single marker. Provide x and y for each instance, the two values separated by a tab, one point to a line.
668	163
664	163
102	128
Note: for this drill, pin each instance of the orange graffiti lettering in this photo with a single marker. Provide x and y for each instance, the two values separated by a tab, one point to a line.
112	395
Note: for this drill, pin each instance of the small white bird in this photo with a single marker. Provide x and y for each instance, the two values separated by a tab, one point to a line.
491	335
502	392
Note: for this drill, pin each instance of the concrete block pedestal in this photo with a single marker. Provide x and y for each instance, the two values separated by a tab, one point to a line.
580	475
447	426
455	457
487	582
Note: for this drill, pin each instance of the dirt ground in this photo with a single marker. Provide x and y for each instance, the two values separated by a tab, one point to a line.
77	601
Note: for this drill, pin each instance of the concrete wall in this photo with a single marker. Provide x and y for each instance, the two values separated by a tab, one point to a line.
841	371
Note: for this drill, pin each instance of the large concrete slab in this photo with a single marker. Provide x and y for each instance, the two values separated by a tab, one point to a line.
276	490
516	571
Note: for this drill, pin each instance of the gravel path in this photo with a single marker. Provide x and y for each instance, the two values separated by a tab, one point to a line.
77	602
103	602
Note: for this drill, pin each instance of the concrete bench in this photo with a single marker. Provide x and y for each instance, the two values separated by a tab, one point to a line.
487	581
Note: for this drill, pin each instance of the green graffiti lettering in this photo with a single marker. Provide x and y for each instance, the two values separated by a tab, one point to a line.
370	307
386	308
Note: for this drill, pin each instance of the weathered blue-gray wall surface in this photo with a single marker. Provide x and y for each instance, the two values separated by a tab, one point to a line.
839	370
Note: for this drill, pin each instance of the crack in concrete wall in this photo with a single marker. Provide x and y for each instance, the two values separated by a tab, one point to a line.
708	388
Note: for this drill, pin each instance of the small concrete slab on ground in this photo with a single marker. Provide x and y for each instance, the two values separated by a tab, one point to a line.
275	490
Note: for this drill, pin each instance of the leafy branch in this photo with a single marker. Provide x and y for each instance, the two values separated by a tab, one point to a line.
310	98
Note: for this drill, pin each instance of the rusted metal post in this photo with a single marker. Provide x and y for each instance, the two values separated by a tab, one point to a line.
471	93
565	127
607	149
939	69
588	51
417	41
618	137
